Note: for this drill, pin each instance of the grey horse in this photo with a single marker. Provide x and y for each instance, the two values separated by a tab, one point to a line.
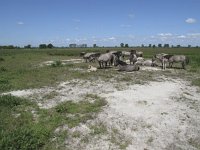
104	59
184	60
164	58
133	58
123	66
91	56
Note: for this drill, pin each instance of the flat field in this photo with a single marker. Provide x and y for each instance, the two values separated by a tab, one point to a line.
50	101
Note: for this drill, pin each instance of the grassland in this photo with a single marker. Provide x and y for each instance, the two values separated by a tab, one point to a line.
23	125
19	67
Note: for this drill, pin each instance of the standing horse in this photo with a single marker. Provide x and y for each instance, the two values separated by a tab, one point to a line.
133	58
163	58
104	59
184	60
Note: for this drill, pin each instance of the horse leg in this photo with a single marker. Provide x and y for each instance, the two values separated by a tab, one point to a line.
105	65
183	64
163	64
99	64
171	64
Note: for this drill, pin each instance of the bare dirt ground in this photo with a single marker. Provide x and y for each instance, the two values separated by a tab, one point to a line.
161	114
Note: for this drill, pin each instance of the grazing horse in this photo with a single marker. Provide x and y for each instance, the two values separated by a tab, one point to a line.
104	59
184	60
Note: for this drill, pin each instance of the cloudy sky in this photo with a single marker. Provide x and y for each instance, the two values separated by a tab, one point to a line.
104	22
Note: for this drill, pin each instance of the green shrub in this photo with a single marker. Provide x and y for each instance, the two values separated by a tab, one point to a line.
23	138
2	59
3	69
82	107
4	84
17	130
57	63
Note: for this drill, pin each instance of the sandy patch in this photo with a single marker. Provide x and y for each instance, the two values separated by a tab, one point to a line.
150	68
162	114
74	90
64	62
147	114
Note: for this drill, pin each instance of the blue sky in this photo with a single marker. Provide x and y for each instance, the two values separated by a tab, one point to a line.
104	22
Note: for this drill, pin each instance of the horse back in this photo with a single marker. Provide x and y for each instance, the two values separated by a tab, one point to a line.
178	58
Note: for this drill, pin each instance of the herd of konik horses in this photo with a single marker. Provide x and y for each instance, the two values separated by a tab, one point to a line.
133	59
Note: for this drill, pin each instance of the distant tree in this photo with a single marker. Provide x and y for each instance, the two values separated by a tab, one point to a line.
166	45
9	47
27	46
142	45
154	46
149	45
50	45
178	46
189	46
126	45
94	45
122	44
159	45
42	46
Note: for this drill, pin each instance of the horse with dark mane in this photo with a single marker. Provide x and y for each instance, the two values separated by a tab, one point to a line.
164	58
117	62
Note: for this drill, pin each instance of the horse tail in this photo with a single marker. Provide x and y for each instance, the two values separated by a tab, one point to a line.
187	60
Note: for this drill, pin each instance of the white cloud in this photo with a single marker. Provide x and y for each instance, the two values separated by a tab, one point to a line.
20	23
194	34
112	38
190	20
165	34
67	39
181	37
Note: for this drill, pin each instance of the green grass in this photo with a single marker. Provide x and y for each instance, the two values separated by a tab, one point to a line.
19	67
21	129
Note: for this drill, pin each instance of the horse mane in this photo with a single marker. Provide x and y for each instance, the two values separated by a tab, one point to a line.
168	56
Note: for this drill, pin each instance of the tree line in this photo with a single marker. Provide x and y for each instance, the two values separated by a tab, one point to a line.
41	46
123	45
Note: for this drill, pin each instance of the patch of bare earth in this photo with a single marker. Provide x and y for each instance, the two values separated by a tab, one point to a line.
162	114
